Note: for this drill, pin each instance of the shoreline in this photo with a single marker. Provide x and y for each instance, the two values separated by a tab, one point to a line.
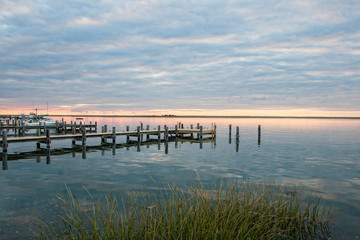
199	116
185	116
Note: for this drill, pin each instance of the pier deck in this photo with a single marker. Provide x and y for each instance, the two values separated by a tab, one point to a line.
139	134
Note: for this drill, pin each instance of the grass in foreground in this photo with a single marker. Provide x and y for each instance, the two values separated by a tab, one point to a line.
230	211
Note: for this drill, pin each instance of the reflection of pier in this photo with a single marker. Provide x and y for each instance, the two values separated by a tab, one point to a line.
178	132
83	149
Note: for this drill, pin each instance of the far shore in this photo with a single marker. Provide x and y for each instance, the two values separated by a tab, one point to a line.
200	116
182	116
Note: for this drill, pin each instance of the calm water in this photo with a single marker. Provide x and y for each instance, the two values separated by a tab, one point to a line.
322	155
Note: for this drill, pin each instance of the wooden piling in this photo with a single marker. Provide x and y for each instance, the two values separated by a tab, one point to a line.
103	140
138	134
4	141
48	140
197	127
166	134
113	135
237	135
159	133
83	139
127	136
147	135
259	135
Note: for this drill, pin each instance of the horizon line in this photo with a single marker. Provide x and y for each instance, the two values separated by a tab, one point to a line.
187	116
198	116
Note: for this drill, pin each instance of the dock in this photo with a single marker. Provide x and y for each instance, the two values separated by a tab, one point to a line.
137	135
19	128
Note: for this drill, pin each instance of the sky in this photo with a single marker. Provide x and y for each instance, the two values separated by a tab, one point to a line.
187	57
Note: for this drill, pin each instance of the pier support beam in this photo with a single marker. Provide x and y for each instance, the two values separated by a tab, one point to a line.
138	134
113	135
147	135
237	134
4	141
48	140
259	135
166	134
83	134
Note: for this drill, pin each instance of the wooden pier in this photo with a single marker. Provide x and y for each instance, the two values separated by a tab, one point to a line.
138	134
19	128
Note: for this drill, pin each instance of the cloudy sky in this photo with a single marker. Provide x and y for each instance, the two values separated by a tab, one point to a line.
196	57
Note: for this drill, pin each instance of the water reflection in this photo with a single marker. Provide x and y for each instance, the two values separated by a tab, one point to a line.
5	160
84	149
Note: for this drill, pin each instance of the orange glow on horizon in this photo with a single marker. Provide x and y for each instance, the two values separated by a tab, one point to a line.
197	112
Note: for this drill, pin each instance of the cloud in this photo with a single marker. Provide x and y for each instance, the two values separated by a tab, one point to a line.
147	55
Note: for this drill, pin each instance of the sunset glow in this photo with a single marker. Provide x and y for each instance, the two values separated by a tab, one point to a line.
224	58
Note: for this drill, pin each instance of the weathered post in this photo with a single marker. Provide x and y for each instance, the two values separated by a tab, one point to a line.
103	139
48	141
83	139
147	135
114	135
23	128
159	133
4	141
138	134
166	134
259	135
198	127
64	127
95	126
127	135
176	131
192	134
105	128
201	137
141	129
237	134
166	147
230	134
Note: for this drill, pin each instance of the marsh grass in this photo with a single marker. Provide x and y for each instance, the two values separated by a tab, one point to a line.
227	210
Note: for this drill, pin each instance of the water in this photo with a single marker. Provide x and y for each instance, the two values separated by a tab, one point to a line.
322	155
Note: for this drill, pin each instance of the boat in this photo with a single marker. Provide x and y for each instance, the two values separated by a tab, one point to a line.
41	122
79	118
